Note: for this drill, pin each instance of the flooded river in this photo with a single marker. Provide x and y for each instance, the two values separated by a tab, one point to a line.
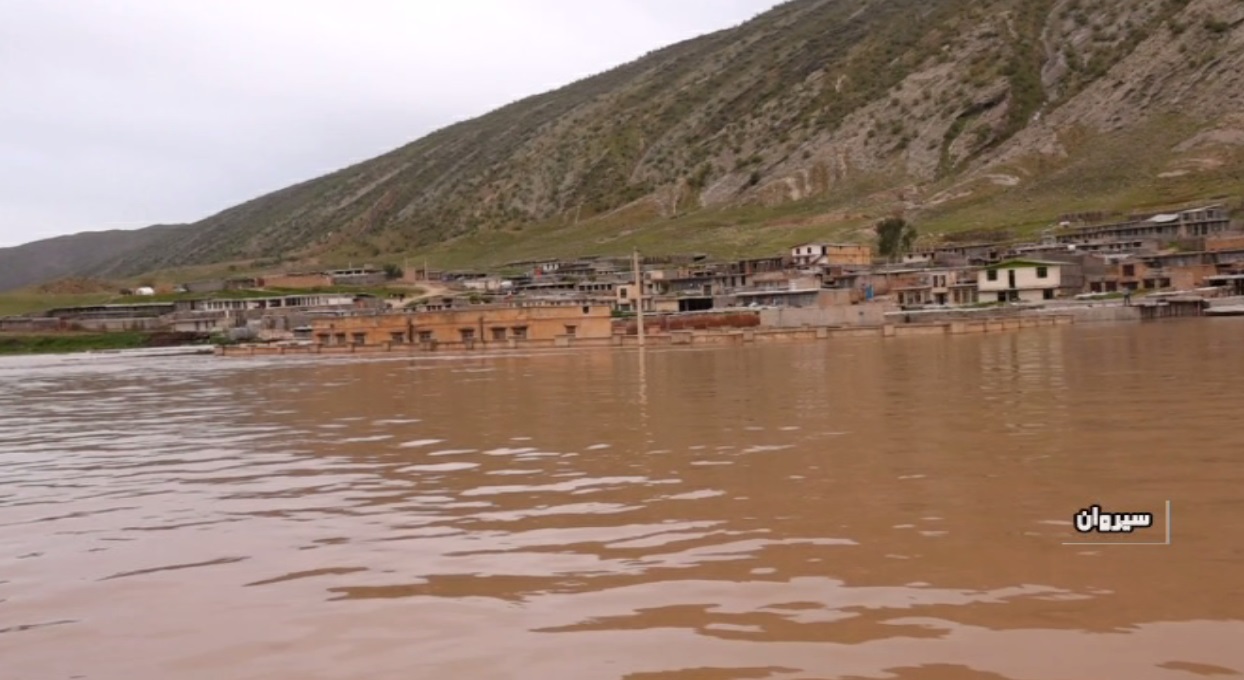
833	509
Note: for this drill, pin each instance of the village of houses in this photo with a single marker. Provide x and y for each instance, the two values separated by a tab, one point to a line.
1187	262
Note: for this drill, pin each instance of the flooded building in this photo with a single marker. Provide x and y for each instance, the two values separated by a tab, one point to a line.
469	326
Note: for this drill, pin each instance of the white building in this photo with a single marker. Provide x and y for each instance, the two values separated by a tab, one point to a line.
488	284
311	300
1019	281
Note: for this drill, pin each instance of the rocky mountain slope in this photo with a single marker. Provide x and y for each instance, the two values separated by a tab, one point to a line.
76	254
919	105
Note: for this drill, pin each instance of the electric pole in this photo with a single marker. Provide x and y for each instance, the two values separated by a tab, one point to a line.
639	298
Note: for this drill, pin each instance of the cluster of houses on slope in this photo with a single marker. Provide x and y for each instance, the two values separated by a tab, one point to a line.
1177	251
839	283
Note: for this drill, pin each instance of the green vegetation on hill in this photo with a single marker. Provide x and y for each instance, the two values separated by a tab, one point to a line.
18	303
810	121
74	255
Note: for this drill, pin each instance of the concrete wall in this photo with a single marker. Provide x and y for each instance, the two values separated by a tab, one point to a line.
851	254
1098	313
864	314
193	325
20	324
1224	242
833	253
689	321
298	281
1190	277
747	336
134	324
1227	301
374	279
277	303
209	286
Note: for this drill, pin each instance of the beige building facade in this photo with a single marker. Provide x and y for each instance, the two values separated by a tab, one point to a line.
467	326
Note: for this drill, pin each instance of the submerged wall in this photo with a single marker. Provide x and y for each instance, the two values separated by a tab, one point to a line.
864	314
1099	314
744	336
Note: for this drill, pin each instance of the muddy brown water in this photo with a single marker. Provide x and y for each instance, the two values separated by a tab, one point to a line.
833	509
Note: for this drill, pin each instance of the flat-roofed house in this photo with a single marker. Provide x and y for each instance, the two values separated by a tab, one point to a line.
468	326
1019	281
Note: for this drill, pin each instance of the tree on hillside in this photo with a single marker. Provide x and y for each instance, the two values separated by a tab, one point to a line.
392	271
895	236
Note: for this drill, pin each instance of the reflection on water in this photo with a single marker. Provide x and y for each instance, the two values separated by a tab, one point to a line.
838	509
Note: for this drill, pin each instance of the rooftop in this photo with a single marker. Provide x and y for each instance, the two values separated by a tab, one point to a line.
1023	262
781	291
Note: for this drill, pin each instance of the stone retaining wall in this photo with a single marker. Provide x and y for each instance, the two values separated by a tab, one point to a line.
675	338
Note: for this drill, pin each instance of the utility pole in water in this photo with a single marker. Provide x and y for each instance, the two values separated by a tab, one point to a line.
639	298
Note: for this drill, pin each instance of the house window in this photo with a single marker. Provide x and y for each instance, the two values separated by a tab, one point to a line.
622	293
498	334
520	332
340	338
1001	297
992	275
1048	294
397	337
1129	270
1042	272
360	338
425	336
323	338
587	310
570	330
467	334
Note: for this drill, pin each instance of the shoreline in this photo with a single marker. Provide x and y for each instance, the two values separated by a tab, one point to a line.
669	339
67	343
952	322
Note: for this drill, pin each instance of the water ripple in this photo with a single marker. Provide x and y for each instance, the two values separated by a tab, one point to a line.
803	510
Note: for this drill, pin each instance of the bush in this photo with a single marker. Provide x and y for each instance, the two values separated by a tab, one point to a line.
1216	26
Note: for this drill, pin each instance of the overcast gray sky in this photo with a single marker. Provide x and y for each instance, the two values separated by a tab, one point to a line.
125	113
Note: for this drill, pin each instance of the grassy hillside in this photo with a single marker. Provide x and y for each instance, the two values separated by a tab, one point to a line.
809	121
54	258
